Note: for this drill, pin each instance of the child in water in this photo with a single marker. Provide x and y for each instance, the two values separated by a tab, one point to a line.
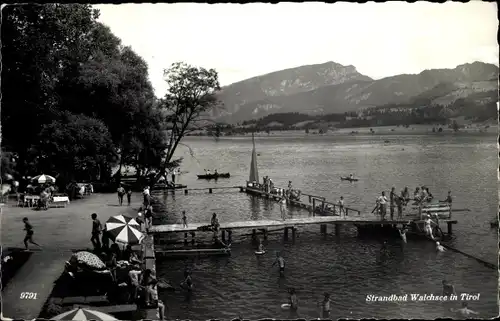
293	301
439	247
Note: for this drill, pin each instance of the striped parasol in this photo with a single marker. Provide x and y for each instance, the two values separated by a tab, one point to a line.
42	179
83	315
124	229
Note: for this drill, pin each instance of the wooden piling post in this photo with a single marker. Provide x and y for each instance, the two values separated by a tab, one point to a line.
293	232
193	236
450	228
323	228
224	236
185	238
314	207
337	229
254	234
210	190
286	233
185	192
309	198
230	236
241	189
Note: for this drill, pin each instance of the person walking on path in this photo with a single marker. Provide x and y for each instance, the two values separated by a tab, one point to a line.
96	232
129	195
121	193
146	195
29	234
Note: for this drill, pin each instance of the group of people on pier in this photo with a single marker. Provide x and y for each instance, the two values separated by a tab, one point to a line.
421	196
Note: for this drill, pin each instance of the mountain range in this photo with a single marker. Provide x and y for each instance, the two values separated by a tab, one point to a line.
333	88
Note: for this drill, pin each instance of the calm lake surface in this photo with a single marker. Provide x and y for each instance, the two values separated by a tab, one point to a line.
347	267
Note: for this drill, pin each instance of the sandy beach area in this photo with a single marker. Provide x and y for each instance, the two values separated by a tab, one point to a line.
62	229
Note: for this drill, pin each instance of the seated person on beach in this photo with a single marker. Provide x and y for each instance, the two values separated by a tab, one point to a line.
133	275
152	300
111	264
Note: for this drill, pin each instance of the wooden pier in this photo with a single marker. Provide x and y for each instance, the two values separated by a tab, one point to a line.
210	190
315	204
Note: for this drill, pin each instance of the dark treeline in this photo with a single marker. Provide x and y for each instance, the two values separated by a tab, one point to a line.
76	102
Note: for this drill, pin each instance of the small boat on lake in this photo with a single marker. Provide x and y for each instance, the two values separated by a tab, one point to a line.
214	176
348	179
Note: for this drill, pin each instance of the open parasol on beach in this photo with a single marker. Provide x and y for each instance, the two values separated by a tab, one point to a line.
124	229
88	259
43	179
81	314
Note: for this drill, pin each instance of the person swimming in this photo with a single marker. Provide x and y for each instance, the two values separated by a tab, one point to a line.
448	288
281	262
292	300
464	310
402	233
351	176
439	247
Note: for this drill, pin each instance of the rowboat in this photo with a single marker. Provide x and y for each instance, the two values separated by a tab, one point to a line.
348	179
214	176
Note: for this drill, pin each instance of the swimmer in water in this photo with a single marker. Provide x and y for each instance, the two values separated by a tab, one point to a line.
448	288
384	250
464	310
402	233
261	247
293	301
281	261
439	247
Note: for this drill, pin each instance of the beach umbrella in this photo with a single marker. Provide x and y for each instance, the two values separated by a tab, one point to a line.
81	314
124	229
42	179
88	259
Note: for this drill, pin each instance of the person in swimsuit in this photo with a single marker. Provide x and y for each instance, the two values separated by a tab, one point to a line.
281	262
325	305
402	233
188	282
29	234
399	203
464	311
96	232
392	203
152	300
121	193
341	206
184	219
428	226
439	247
282	202
448	288
129	195
293	301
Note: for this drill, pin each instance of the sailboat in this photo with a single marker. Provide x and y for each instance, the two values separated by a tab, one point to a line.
253	179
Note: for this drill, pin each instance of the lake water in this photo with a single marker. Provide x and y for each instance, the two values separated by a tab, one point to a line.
347	267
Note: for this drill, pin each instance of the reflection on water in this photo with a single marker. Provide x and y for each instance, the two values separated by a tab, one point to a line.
346	266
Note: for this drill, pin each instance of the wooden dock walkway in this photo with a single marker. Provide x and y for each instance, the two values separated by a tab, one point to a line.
262	224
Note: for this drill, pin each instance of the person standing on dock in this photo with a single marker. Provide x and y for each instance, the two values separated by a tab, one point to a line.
29	234
214	222
382	205
341	206
282	202
400	200
184	219
96	232
406	195
121	193
392	198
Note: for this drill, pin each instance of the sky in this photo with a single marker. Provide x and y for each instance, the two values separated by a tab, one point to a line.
244	41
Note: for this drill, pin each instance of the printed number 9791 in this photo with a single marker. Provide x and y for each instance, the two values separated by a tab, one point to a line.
28	295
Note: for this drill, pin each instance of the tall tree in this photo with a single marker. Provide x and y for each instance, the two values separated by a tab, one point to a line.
191	94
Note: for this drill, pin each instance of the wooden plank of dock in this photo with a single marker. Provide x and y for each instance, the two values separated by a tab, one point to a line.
258	224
